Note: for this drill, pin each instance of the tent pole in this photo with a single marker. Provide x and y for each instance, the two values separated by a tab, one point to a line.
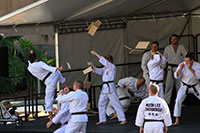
57	60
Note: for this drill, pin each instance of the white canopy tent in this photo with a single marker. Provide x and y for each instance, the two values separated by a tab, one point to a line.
124	22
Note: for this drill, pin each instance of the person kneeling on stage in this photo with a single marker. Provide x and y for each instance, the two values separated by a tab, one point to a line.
63	116
189	74
78	101
153	115
126	88
136	87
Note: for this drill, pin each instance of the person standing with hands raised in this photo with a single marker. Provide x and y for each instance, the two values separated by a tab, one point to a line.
108	92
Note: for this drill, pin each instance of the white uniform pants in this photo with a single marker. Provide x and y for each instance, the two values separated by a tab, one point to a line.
146	77
61	129
103	102
181	95
169	84
50	89
125	105
153	127
160	92
76	127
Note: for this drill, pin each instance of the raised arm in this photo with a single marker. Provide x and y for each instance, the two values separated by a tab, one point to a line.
178	71
96	70
96	54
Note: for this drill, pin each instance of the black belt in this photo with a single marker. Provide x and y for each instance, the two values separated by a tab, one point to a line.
123	98
152	120
156	81
190	86
172	65
107	82
78	113
47	76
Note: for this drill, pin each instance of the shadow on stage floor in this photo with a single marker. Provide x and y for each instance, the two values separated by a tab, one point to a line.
190	122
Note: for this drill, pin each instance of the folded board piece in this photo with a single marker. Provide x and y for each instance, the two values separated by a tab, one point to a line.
93	27
142	45
87	70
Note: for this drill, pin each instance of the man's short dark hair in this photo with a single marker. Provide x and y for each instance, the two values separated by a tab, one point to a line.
79	84
174	35
32	57
155	42
190	56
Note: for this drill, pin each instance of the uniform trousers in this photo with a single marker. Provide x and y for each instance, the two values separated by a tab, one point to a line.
76	127
125	105
181	95
103	102
169	84
153	127
51	83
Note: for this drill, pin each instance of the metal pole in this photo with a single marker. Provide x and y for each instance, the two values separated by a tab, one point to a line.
57	59
25	105
38	85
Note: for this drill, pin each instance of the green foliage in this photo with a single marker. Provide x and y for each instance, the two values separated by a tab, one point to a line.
18	54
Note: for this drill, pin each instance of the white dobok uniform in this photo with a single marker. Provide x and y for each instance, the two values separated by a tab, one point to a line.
63	116
153	114
173	59
145	59
124	98
155	67
189	84
78	101
40	70
108	92
131	83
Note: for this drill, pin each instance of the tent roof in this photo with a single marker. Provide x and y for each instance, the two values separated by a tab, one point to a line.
44	11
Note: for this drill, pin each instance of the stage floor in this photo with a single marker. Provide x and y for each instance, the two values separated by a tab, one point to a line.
190	122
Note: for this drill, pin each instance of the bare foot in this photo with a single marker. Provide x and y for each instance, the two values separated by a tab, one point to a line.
113	117
176	124
123	122
49	124
100	123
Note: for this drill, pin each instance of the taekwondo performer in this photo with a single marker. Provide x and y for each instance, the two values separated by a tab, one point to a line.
108	92
145	59
49	75
174	54
136	87
189	74
155	66
63	116
78	101
153	115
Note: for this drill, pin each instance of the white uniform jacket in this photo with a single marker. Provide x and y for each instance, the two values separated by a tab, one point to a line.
153	108
78	101
155	67
108	73
186	75
175	57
